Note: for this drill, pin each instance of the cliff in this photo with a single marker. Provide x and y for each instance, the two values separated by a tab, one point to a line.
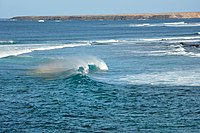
114	17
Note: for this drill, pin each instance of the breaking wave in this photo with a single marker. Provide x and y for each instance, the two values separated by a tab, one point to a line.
172	24
70	66
14	50
172	39
4	42
181	46
175	50
105	42
7	49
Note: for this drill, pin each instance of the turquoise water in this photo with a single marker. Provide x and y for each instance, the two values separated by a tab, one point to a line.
100	76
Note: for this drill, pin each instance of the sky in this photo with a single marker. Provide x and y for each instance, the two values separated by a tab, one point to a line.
11	8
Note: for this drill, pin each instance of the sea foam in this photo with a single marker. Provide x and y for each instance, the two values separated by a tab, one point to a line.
172	50
186	77
14	50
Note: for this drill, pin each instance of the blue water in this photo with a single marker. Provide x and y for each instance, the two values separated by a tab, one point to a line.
100	76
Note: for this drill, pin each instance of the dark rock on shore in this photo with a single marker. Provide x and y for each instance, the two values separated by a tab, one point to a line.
193	45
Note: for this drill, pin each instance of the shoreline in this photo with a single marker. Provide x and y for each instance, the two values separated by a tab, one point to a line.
114	17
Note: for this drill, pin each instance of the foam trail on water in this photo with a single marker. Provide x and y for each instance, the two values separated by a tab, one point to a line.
14	50
71	66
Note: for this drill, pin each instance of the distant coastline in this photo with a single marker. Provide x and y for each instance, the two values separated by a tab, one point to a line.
114	17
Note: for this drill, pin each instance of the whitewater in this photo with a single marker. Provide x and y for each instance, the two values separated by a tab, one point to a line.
100	76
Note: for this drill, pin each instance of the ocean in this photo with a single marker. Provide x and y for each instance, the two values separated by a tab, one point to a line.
100	76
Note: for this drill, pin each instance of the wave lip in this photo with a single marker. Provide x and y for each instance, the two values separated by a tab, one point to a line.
71	66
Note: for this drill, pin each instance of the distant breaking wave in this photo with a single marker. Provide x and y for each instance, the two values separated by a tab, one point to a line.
172	39
18	48
173	24
70	66
3	42
171	46
14	50
179	50
105	42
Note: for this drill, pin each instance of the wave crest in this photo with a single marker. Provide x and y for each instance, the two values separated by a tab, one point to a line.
3	42
70	66
172	24
105	42
171	39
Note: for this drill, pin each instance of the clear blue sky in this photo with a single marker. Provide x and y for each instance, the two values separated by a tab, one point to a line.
10	8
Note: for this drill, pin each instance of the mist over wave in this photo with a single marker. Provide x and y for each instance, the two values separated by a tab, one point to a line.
69	66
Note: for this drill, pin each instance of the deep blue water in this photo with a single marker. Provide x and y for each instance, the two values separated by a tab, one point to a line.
100	76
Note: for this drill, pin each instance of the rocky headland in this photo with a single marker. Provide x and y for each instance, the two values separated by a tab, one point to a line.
114	17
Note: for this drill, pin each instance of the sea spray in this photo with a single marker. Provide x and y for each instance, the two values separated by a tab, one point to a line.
69	66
